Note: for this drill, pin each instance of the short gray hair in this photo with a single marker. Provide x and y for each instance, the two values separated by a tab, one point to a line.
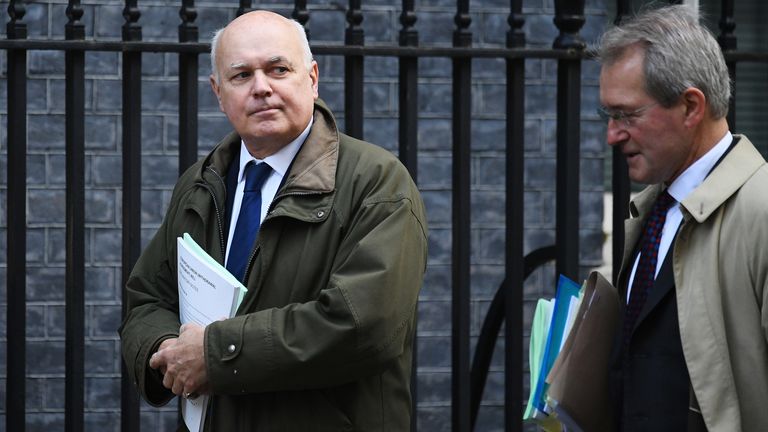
679	53
308	58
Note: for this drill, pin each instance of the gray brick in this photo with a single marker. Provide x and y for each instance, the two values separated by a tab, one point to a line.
488	208
438	205
489	134
437	282
540	100
37	95
330	68
434	351
591	174
532	209
439	243
101	284
35	245
160	23
45	357
101	63
326	26
101	132
45	133
35	169
540	31
46	206
490	418
97	421
55	323
210	19
593	139
378	98
489	68
435	99
160	96
152	208
159	171
107	170
436	28
36	18
435	67
377	26
382	132
434	387
591	246
35	321
206	99
540	172
56	246
488	246
434	171
535	239
106	320
33	393
57	90
433	418
486	280
211	130
105	246
45	284
109	95
434	134
56	171
493	28
102	393
489	171
45	422
46	62
381	68
154	64
3	331
101	357
489	99
435	316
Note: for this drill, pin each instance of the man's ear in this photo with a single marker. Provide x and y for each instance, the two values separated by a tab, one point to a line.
695	106
215	88
314	76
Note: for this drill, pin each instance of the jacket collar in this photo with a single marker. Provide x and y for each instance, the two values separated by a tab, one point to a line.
312	171
732	172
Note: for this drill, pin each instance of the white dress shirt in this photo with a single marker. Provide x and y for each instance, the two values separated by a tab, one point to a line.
280	162
683	185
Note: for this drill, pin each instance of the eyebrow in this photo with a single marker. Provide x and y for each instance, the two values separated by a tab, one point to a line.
270	61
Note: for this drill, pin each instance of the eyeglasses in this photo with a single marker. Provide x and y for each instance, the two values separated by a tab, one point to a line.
624	118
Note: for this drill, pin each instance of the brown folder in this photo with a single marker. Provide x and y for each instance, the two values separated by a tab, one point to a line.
578	381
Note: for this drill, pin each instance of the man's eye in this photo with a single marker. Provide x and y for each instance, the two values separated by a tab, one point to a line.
280	70
242	75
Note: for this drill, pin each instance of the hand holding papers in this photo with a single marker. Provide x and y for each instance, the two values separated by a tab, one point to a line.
207	292
577	393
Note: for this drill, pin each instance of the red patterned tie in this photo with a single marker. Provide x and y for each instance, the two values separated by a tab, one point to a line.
646	268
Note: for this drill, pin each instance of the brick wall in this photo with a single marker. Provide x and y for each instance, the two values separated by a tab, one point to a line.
46	181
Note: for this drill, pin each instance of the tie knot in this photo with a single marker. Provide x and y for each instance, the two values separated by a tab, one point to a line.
663	202
256	175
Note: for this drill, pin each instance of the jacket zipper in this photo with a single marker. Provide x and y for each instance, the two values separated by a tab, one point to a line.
207	187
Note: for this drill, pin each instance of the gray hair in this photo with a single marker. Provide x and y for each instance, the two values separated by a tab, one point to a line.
308	58
679	53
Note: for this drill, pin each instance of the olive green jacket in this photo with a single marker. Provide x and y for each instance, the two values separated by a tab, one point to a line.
323	339
720	261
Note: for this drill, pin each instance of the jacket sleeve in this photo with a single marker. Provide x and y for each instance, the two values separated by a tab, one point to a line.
152	316
361	322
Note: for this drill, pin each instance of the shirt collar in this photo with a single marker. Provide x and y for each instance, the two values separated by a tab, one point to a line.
280	161
692	177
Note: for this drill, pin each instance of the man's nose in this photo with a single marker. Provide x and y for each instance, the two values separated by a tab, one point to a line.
615	134
260	84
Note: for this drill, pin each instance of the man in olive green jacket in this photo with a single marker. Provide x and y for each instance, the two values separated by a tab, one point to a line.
323	339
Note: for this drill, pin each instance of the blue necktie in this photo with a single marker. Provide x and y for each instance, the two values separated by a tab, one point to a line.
248	220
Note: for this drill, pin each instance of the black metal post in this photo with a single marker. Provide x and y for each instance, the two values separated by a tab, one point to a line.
188	66
353	73
408	123
461	242
245	7
620	185
300	14
16	276
75	203
727	40
131	142
569	17
515	204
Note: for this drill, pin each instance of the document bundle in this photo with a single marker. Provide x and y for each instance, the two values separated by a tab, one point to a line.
571	340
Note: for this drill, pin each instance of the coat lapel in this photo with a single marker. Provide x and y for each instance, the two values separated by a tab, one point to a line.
664	283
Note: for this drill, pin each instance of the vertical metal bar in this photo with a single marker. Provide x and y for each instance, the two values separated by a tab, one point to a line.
129	414
353	73
300	14
620	183
245	7
569	17
727	40
408	145
515	203
75	203
188	66
461	243
16	277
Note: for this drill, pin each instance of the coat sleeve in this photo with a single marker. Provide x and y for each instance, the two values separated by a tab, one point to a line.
361	322
152	316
